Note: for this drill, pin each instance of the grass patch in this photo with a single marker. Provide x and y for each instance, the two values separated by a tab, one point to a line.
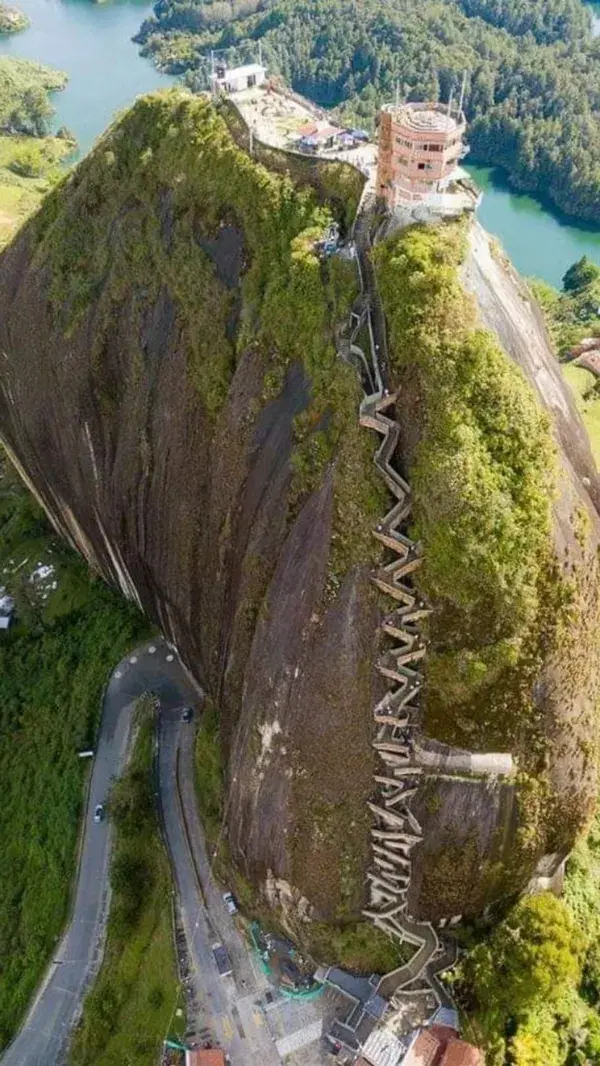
359	947
53	666
209	772
29	168
584	386
131	1008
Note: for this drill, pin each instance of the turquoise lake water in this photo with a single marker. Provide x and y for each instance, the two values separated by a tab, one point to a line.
92	44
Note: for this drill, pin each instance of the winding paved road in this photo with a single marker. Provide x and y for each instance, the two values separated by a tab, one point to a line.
42	1039
226	1006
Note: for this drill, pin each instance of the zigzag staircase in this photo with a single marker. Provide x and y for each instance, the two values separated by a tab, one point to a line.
395	829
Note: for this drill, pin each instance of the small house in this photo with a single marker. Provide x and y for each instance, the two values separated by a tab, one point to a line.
315	137
235	79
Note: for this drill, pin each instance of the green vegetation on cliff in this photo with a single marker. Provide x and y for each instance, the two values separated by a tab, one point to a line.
178	169
11	19
533	85
29	157
482	474
53	666
131	1007
532	989
572	316
197	263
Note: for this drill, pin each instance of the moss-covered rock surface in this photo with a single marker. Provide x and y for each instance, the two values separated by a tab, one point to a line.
510	571
171	389
206	455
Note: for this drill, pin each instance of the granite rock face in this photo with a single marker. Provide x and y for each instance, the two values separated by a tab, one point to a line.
179	442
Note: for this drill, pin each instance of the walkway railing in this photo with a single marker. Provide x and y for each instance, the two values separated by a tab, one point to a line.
403	761
395	829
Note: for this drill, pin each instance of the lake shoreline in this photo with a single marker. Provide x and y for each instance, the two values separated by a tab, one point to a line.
93	43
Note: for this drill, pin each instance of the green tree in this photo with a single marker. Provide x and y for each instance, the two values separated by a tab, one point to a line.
581	274
531	961
130	801
536	1043
28	161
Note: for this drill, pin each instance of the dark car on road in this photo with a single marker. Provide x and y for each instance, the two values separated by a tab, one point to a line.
187	714
222	960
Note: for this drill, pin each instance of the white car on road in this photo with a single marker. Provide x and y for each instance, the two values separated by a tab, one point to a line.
229	902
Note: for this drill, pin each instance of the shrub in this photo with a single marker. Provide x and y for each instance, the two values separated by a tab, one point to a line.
581	274
482	472
529	965
28	162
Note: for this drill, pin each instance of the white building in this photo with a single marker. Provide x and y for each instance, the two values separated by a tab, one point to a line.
234	79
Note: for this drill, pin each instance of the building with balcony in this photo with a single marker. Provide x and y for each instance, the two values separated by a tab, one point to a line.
420	148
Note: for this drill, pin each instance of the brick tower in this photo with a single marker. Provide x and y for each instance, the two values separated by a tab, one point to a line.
420	146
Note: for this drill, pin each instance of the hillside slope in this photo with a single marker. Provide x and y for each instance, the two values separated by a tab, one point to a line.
504	505
171	391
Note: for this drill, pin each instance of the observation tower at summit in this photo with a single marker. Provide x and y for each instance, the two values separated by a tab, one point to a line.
420	147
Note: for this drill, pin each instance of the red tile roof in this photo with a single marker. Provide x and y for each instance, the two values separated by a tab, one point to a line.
423	1051
443	1033
439	1046
459	1053
205	1057
308	131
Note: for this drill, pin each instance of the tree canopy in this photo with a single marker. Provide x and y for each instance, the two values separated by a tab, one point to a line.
534	955
582	273
24	88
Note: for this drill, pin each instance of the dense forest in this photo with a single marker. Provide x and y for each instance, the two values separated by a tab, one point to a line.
69	633
533	77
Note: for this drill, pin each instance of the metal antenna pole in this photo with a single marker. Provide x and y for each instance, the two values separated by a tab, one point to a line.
397	94
450	103
462	94
260	53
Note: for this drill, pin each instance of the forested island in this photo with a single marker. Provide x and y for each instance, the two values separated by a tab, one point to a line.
533	77
12	20
29	155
